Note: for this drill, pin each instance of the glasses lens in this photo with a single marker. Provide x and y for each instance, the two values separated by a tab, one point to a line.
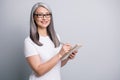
43	15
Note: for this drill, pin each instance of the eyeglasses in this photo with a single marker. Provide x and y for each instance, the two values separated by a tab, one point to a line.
43	15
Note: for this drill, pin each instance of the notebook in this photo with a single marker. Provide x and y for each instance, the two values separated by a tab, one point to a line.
75	47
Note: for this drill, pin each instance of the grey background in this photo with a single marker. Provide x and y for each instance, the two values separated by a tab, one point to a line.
93	23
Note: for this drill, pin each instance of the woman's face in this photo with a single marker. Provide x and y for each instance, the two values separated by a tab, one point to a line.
42	17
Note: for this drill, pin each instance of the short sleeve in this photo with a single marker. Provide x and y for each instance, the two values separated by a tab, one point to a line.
29	48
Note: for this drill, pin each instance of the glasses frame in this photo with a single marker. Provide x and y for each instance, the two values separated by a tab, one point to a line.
48	15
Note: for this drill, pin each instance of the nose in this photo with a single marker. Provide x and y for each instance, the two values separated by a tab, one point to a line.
44	17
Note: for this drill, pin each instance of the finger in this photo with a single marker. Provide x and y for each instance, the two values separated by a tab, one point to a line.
71	57
76	51
69	45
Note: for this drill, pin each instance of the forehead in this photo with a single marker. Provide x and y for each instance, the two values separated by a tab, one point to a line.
41	10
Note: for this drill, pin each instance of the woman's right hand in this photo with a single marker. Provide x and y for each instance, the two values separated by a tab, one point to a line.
65	49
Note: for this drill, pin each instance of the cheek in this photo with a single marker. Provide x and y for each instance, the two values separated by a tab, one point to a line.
49	21
37	21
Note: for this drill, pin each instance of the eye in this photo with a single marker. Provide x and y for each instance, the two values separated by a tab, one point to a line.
38	15
43	15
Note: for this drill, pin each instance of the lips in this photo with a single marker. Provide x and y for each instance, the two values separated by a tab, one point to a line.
44	22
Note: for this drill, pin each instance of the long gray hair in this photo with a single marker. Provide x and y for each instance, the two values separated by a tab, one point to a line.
50	29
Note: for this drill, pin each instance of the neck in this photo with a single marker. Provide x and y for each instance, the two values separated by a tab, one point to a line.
42	31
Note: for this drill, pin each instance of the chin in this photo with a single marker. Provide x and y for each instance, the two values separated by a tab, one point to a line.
45	26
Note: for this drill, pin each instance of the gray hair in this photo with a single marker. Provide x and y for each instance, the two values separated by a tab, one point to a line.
50	29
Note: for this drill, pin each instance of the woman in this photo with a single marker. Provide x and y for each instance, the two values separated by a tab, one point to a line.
43	50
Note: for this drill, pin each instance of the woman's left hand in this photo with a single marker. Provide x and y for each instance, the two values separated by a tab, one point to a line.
72	55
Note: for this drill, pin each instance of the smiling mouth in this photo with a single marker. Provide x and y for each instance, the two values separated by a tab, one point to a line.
44	22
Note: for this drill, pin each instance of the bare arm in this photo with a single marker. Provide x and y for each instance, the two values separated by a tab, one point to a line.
42	68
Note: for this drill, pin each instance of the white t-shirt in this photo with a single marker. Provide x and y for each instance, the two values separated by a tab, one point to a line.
46	52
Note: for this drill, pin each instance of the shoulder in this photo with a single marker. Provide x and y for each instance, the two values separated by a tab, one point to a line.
29	47
28	40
